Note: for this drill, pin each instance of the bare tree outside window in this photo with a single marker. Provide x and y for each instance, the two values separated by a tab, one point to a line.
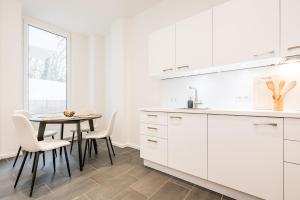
47	71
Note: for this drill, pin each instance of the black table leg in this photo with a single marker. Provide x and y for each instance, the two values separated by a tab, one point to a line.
61	137
79	136
92	128
41	131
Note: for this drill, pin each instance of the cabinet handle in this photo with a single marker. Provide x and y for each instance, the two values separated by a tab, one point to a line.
182	67
263	54
151	128
169	69
175	117
152	115
153	141
293	47
265	124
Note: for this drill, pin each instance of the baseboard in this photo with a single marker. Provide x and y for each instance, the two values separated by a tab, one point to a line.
7	155
125	145
134	146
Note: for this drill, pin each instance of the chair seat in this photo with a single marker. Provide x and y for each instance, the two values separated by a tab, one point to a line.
95	135
50	133
82	130
47	145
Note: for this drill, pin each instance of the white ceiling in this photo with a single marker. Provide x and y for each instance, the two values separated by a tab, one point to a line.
85	16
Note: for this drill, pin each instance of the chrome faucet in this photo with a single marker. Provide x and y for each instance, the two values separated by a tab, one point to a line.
196	101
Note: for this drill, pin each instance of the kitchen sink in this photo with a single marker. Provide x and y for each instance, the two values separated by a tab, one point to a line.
202	108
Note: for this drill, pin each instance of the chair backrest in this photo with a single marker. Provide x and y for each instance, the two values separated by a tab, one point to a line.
25	133
23	112
111	124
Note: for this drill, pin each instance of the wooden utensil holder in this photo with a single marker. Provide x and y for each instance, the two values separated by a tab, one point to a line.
278	103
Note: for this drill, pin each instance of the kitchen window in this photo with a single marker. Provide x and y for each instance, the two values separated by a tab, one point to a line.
46	67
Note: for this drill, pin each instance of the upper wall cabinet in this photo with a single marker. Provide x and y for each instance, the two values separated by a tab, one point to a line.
246	30
194	42
161	51
290	32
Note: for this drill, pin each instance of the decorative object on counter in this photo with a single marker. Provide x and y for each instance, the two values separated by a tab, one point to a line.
278	98
190	103
69	113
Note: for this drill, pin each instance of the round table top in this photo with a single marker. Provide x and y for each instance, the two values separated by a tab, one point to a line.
61	118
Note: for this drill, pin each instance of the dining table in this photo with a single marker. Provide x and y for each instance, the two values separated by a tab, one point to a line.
61	120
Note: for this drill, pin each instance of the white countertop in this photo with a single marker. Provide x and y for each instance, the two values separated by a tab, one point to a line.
250	112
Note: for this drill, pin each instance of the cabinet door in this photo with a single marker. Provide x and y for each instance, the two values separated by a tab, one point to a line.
246	154
291	181
245	30
162	51
187	143
194	42
154	149
290	29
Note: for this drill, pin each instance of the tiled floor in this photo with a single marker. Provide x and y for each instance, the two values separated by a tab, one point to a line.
127	179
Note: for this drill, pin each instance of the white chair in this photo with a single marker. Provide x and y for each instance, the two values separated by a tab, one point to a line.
85	128
30	144
105	134
48	133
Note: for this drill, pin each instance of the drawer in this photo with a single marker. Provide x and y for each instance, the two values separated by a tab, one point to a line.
154	149
154	118
154	130
292	151
291	181
292	129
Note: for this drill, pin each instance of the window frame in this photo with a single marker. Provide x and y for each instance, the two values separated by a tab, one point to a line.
51	29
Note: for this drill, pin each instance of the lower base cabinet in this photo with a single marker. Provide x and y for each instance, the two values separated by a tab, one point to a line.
291	181
187	143
154	149
246	154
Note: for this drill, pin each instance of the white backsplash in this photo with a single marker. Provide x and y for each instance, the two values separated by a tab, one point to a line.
229	90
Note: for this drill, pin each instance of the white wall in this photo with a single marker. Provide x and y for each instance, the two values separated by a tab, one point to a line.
221	90
86	74
11	76
115	79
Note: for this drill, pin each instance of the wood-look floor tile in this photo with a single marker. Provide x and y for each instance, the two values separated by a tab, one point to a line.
170	191
150	183
129	194
139	171
182	183
198	193
111	187
70	191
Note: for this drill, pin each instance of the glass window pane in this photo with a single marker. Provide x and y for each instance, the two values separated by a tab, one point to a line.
47	71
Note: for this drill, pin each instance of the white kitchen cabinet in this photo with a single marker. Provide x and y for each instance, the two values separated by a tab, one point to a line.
194	42
290	29
187	143
154	149
245	30
161	51
246	154
291	181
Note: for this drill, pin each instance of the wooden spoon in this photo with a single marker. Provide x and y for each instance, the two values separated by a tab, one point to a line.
289	87
271	86
281	86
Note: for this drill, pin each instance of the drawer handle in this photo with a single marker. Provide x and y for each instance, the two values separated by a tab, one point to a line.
175	117
292	48
152	115
263	54
166	70
265	124
151	128
153	141
182	67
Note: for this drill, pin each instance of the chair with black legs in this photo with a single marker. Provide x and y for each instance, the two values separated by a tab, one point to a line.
30	144
105	134
48	133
